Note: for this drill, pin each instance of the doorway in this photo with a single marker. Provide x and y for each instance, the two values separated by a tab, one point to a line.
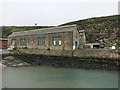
75	45
13	42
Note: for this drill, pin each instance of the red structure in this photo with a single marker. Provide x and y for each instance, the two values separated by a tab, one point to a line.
3	43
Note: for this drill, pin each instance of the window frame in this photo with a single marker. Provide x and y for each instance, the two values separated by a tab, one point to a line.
21	43
57	39
42	42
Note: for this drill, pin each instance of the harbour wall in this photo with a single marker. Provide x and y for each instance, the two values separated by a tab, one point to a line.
86	59
94	53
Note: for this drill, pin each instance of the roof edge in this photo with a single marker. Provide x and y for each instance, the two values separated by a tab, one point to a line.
56	27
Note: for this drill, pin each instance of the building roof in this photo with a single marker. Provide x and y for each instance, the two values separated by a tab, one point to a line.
45	31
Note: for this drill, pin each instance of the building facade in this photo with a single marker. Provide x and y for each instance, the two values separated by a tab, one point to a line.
55	38
3	43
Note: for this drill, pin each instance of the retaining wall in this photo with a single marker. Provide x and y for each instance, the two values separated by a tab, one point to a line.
94	53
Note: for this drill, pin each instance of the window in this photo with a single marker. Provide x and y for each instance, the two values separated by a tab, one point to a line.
41	41
22	42
57	40
13	42
34	41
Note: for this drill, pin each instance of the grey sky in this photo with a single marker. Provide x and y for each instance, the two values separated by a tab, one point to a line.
53	12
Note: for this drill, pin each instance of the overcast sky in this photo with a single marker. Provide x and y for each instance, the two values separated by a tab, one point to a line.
53	12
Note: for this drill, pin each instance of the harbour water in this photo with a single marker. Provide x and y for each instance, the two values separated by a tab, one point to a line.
50	77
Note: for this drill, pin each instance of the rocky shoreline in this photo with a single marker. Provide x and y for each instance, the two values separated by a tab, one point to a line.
20	60
2	66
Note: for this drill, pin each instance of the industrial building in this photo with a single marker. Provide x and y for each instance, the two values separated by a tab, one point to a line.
55	38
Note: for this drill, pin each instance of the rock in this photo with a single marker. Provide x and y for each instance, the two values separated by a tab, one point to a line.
2	66
14	65
9	58
21	64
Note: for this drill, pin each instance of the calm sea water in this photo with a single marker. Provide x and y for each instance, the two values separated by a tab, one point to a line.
49	77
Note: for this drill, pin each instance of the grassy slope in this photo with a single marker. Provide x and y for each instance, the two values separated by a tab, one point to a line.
104	30
7	30
92	20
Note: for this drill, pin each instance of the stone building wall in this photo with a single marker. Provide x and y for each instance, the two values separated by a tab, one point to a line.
67	53
32	41
76	39
66	38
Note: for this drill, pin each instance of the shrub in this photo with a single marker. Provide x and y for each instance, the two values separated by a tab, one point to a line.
107	44
24	48
14	49
48	48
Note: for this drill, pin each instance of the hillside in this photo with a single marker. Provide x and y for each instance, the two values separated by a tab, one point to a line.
103	30
100	29
7	30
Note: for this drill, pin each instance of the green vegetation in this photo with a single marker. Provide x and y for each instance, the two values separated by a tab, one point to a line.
117	43
16	29
14	49
107	44
24	48
27	28
48	49
92	20
7	30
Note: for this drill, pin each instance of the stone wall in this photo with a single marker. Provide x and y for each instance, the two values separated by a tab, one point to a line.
62	59
32	41
82	53
45	52
98	53
76	39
